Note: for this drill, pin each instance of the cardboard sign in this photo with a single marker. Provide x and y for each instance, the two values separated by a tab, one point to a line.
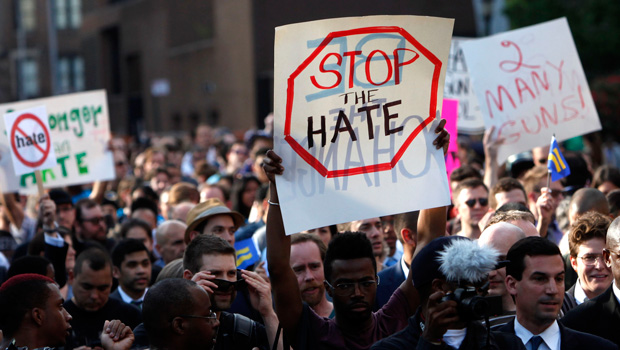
530	85
355	107
79	131
458	86
29	140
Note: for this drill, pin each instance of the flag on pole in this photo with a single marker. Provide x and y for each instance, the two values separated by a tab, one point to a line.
558	168
247	253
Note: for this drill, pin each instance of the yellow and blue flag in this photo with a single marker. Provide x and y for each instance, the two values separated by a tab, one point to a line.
247	253
558	168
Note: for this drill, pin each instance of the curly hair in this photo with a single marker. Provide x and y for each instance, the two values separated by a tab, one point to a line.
588	226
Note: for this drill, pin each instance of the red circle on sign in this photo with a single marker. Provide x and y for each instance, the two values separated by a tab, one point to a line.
45	151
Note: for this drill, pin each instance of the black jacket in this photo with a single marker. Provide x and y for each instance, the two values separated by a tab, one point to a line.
572	339
599	316
476	338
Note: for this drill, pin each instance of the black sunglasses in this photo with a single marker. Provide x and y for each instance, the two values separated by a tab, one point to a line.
227	286
471	202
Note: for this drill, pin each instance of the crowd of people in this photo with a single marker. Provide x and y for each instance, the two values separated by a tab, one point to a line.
148	260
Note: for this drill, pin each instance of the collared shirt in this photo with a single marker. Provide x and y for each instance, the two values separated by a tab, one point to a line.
126	298
580	294
551	336
616	290
454	337
404	266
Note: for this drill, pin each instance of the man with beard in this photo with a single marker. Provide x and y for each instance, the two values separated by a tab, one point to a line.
307	255
210	261
90	226
91	305
471	201
132	269
32	314
535	278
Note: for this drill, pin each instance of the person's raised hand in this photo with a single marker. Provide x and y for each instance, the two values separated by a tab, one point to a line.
260	292
47	211
443	137
203	279
545	205
272	165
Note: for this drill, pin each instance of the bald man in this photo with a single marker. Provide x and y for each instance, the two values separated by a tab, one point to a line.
522	219
170	244
585	200
501	236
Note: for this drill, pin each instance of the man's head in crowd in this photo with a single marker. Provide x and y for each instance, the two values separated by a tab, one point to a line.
181	210
138	229
507	190
132	267
146	210
612	250
501	236
177	315
606	179
170	244
65	211
307	254
522	219
213	218
462	173
215	255
586	241
183	192
92	279
585	200
213	191
325	233
471	200
540	155
351	276
406	227
372	229
534	180
33	312
31	264
389	233
613	199
89	221
535	278
159	179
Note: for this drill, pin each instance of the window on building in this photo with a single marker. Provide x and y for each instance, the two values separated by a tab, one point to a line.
28	78
27	14
70	74
68	14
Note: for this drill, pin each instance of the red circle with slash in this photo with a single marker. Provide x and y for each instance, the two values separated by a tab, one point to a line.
44	151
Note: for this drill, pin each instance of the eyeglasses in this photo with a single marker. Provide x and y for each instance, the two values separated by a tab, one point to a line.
227	286
95	221
347	288
472	202
591	259
211	318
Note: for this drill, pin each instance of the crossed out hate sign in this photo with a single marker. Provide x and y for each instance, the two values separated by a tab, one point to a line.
29	138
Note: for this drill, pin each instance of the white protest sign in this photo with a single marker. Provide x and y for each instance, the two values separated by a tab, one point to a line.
530	85
79	129
29	139
458	86
355	107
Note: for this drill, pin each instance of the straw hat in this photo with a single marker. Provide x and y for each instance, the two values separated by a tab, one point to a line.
206	210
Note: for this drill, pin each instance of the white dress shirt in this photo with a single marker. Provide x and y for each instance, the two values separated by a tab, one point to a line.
551	336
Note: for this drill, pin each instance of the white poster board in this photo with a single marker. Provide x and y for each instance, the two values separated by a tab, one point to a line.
29	140
80	130
458	86
355	105
530	85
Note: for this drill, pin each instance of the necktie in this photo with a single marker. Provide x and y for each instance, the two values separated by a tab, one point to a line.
137	303
535	342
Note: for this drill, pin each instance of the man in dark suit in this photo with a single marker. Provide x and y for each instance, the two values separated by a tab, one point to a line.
535	278
390	279
132	269
601	315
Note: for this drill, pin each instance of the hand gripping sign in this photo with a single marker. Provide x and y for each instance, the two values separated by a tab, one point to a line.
354	103
29	139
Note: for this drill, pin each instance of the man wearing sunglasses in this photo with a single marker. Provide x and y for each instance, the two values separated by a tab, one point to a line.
211	262
90	226
471	199
601	315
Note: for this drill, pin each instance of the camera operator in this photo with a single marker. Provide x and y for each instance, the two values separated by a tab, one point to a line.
445	273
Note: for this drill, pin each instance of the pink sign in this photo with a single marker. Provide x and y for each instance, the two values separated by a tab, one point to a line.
450	112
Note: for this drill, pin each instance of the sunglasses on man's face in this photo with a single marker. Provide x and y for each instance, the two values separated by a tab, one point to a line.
227	286
472	202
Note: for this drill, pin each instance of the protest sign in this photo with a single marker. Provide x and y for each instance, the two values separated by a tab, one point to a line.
458	86
79	131
355	107
29	140
530	85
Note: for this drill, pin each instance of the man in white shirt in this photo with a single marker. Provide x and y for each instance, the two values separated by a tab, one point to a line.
132	269
535	278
